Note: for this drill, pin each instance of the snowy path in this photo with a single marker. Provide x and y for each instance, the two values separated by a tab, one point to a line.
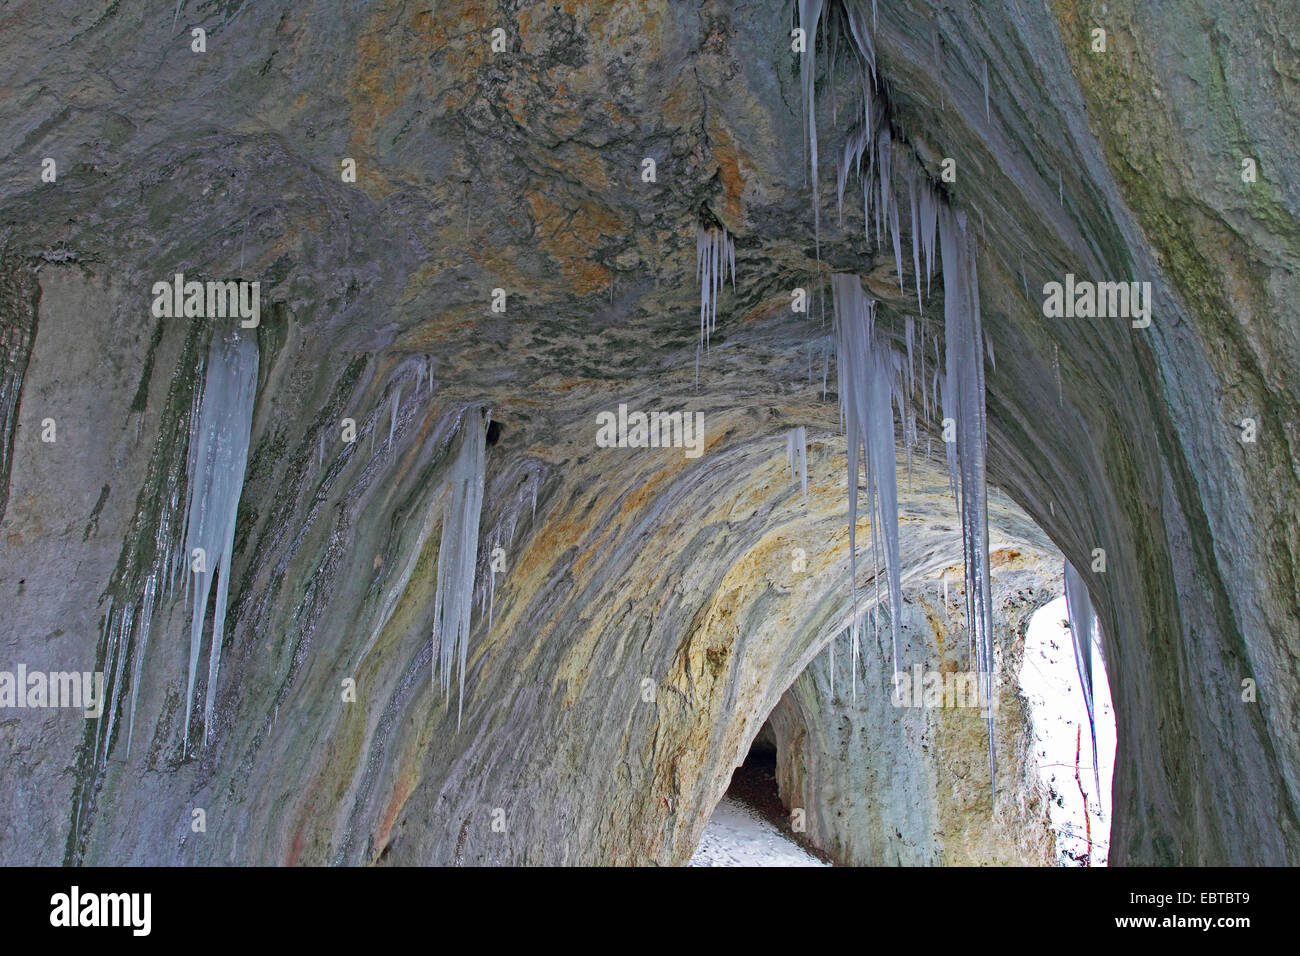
738	836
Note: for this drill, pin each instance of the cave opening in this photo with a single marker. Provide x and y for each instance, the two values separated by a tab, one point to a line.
854	768
754	782
1078	792
751	825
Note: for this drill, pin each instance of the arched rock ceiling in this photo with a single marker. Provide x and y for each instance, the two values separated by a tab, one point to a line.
521	171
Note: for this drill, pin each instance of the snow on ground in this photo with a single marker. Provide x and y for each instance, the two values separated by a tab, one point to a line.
738	835
1049	679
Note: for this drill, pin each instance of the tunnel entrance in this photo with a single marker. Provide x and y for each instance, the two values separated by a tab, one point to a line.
1079	798
750	825
754	784
879	778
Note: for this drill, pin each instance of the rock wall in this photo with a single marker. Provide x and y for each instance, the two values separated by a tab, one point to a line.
521	171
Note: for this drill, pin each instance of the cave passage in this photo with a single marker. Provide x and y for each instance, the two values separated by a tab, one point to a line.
470	552
751	826
754	781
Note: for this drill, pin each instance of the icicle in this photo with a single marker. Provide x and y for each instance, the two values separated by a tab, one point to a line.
219	437
458	552
492	588
796	455
916	240
810	12
963	396
867	385
853	657
898	245
987	115
861	37
830	75
856	145
924	403
114	678
884	187
714	252
831	645
392	422
948	400
928	208
1083	623
195	400
910	325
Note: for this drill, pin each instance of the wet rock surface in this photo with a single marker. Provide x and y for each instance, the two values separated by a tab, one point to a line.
521	171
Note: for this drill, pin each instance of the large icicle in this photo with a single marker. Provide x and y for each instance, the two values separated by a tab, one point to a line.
861	37
868	383
219	436
963	401
810	12
458	553
1083	623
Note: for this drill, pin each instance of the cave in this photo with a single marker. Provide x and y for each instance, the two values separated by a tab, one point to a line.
608	382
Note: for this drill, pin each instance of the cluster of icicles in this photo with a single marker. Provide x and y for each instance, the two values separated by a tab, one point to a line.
220	423
462	572
873	376
460	517
194	544
454	589
715	254
526	481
